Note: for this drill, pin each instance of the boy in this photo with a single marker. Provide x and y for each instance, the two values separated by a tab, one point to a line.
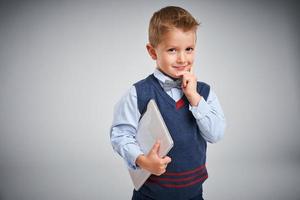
189	108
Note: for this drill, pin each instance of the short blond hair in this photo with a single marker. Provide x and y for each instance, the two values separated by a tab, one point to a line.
168	18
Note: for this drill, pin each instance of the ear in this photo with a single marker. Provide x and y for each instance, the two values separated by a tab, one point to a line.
151	51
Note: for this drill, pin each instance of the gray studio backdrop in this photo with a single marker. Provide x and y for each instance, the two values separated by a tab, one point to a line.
64	65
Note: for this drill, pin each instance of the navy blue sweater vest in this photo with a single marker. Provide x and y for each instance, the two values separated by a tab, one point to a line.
185	174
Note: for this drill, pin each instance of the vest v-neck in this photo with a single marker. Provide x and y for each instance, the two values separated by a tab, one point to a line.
176	104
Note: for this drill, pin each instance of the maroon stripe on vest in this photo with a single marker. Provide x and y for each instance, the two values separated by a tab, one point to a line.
178	179
201	179
185	172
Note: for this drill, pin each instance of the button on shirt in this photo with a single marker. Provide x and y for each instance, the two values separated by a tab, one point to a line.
208	114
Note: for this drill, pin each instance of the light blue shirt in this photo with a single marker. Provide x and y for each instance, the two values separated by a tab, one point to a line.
208	114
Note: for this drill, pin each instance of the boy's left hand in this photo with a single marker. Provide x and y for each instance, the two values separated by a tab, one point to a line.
189	87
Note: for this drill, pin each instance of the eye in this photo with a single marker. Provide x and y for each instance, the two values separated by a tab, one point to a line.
172	50
189	49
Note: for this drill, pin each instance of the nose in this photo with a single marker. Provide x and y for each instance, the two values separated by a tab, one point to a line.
181	57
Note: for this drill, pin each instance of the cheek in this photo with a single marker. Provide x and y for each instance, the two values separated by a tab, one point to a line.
166	59
170	59
191	57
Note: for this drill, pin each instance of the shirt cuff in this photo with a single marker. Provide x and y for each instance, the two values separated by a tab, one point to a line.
135	151
201	110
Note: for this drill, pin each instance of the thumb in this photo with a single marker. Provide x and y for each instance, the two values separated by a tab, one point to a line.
155	147
167	159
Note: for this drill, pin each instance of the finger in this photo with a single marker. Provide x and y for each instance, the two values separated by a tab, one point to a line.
155	147
185	80
160	172
182	73
167	160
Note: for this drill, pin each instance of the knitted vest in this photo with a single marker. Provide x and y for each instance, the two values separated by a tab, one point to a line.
185	174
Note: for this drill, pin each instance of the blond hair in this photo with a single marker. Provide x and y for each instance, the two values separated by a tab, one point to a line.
168	18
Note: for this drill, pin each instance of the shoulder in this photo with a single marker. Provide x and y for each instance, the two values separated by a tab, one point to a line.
128	98
144	81
145	90
144	86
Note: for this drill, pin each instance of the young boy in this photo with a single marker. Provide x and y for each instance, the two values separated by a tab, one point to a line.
189	108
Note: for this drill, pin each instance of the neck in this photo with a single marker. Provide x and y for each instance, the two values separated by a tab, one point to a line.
174	79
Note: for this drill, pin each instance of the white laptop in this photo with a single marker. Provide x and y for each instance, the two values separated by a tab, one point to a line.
150	129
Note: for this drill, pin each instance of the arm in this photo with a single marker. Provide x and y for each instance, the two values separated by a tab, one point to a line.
210	118
208	114
124	127
123	132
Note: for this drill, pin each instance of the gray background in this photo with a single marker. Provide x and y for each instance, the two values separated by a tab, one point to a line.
64	65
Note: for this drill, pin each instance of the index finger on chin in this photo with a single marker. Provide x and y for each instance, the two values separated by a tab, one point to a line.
181	74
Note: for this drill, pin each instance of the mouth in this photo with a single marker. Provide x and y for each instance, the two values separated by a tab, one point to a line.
181	68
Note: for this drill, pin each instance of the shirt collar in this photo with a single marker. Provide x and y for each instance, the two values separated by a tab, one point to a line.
160	76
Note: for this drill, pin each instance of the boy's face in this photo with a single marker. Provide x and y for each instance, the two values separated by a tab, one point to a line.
175	53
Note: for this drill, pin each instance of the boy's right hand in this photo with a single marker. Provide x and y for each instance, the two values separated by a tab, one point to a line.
152	162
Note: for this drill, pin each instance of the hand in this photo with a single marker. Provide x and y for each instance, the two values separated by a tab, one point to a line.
189	87
152	162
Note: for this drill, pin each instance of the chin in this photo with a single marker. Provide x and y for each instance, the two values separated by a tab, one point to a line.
174	76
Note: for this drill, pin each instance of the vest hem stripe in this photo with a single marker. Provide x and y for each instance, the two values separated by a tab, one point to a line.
202	179
177	179
184	173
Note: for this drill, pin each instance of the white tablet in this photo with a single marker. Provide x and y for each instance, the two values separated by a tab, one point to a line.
150	129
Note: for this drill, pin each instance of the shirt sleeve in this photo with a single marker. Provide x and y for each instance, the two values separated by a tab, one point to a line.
210	118
124	128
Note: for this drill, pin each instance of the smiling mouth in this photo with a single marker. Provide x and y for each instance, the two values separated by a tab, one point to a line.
180	67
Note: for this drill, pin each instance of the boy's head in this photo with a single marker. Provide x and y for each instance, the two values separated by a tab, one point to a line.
172	39
165	19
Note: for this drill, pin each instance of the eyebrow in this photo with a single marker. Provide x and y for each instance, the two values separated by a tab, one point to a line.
174	46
